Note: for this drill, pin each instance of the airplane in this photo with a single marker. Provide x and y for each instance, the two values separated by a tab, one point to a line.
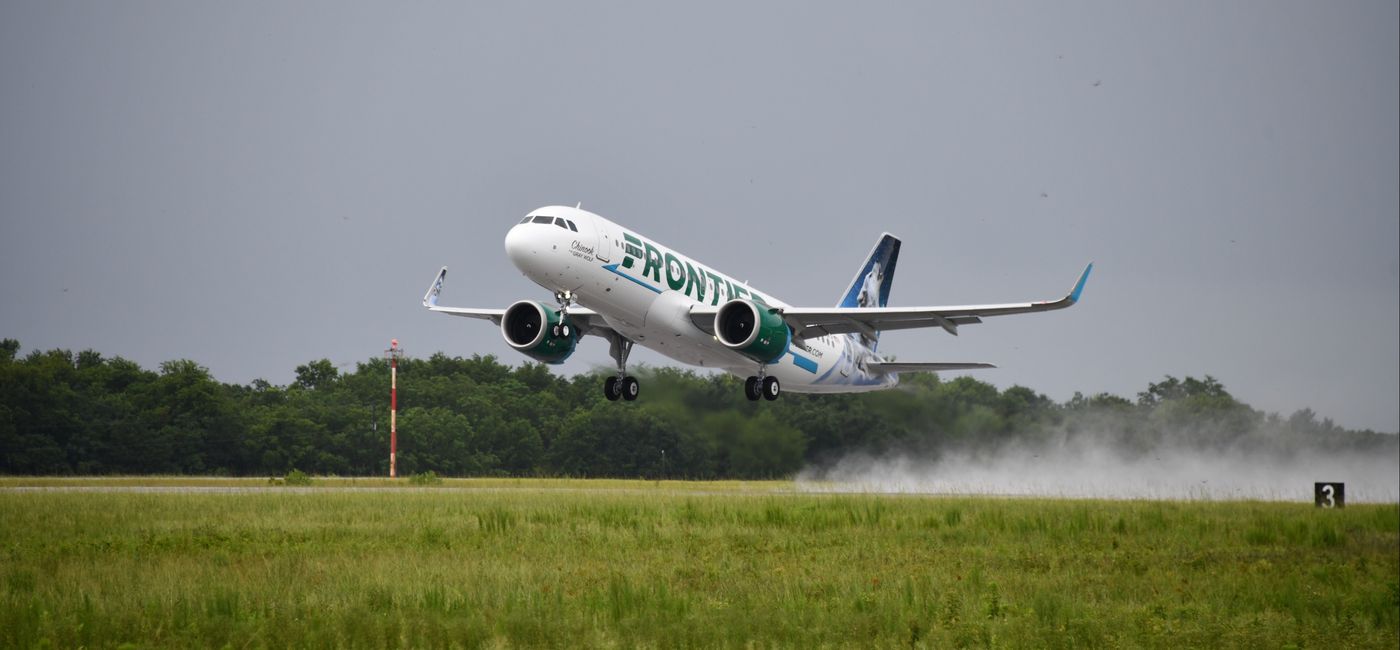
611	282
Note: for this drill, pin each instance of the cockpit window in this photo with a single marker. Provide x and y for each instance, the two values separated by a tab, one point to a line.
526	219
544	219
571	225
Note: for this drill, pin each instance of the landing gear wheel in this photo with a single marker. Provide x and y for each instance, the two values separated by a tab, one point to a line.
752	389
621	386
771	389
564	331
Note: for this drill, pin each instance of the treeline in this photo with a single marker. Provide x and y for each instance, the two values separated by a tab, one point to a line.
66	413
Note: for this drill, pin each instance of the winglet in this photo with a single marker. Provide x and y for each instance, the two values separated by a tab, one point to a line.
430	299
1078	286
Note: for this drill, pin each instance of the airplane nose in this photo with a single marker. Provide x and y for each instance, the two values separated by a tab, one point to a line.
525	244
519	246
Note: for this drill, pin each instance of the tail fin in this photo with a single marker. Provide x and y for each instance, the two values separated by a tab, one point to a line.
871	286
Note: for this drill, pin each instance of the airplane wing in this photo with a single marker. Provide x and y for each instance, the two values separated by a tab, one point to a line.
587	320
808	323
430	301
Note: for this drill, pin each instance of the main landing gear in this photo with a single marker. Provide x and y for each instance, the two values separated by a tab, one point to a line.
620	385
762	386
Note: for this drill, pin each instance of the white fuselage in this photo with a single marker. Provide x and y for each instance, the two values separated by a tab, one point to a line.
645	292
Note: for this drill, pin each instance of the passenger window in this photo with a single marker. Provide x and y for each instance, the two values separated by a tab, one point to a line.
571	225
544	219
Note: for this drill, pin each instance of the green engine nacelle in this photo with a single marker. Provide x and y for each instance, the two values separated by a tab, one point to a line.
754	330
538	331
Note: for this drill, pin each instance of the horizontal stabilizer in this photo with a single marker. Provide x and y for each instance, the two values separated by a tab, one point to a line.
896	367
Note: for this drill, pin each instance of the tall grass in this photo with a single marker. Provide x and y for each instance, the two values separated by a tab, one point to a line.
687	565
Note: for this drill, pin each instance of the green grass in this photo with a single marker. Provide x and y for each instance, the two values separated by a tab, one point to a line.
566	484
637	563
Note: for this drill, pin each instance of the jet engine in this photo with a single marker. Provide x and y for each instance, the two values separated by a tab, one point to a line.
754	330
539	331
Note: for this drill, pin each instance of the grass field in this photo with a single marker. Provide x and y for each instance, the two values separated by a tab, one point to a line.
519	563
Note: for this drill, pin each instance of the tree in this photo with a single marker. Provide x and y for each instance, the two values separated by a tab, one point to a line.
611	442
62	412
759	447
316	375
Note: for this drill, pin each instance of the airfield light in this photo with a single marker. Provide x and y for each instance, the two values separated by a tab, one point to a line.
393	354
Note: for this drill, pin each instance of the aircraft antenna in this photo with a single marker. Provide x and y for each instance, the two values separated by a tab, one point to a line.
393	354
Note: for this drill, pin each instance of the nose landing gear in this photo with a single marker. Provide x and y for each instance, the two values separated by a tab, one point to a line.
565	299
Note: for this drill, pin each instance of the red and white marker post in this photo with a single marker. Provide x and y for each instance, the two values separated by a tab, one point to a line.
393	354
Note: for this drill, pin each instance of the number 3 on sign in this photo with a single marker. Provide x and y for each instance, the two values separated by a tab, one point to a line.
1329	495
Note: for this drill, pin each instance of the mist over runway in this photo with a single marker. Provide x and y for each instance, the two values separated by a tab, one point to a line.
1082	470
1062	474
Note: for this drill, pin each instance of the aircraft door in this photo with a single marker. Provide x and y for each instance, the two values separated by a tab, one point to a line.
602	242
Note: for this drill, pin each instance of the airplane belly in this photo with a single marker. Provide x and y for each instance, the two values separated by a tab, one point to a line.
660	321
622	303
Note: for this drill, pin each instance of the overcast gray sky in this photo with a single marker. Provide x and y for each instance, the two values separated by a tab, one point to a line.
257	184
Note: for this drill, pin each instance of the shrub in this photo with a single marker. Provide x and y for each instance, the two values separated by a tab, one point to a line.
297	477
425	478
